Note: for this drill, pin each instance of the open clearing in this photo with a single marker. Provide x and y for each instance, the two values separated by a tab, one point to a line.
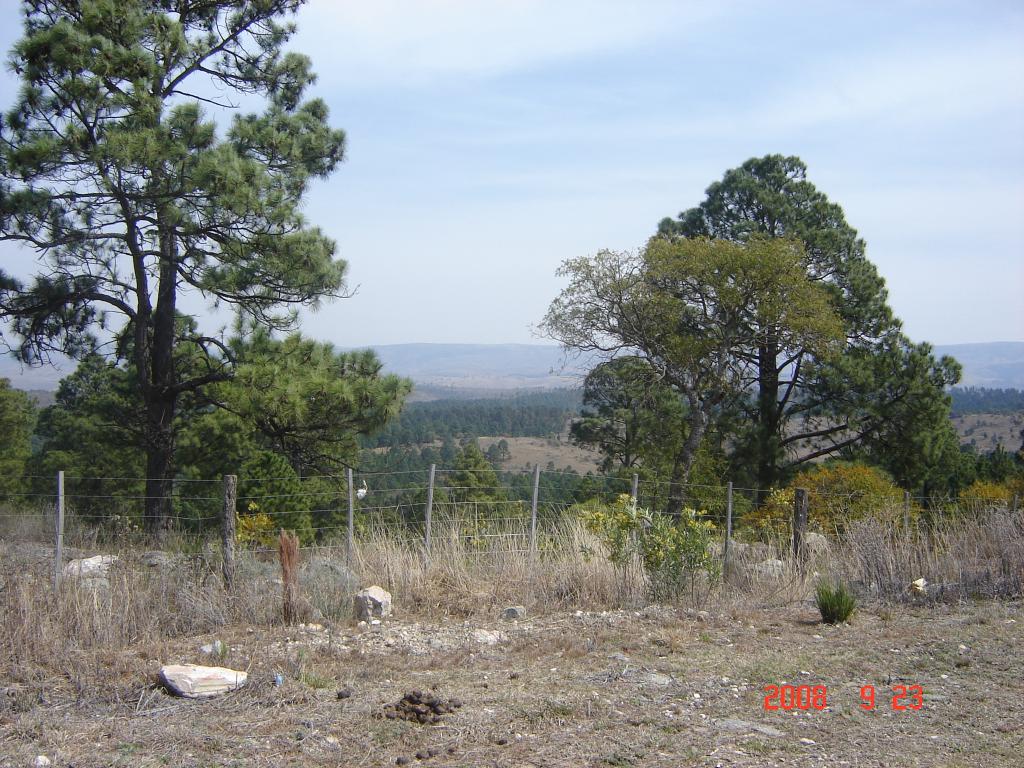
655	687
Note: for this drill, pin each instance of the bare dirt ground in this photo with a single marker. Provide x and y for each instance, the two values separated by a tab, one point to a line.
656	687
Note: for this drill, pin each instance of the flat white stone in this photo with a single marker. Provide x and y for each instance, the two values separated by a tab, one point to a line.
197	682
90	567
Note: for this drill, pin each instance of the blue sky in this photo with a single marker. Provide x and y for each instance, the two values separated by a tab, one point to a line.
488	141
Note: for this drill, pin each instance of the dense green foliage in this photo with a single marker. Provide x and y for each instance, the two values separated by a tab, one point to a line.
17	420
287	424
695	310
835	602
673	551
881	393
113	170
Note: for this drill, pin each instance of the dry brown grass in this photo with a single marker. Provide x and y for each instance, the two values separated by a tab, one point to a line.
78	664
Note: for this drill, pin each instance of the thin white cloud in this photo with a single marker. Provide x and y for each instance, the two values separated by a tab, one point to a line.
401	42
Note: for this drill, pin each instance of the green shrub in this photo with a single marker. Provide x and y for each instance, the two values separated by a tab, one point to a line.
674	551
835	602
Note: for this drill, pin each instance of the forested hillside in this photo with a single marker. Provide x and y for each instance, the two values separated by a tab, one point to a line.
968	400
534	414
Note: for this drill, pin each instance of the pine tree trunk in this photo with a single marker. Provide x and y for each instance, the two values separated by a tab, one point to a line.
767	418
697	422
161	398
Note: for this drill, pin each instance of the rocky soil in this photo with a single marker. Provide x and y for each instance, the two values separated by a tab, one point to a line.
655	687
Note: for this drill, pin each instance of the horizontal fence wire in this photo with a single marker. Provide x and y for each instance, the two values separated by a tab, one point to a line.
504	511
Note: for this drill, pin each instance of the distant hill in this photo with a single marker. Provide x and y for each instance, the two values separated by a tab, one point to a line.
483	367
452	369
998	364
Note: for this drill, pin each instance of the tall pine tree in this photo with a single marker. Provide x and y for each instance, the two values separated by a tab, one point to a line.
115	173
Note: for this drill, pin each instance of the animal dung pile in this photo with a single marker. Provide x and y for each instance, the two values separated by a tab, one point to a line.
420	707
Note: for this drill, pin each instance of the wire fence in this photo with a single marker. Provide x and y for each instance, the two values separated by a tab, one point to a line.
477	504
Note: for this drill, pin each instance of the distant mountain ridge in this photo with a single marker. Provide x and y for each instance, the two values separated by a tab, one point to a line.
483	367
995	365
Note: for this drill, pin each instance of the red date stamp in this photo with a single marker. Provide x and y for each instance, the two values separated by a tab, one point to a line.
805	697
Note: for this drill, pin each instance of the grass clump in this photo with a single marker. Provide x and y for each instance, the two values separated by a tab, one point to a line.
835	602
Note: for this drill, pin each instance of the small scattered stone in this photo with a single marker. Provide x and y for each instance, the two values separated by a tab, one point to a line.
619	657
401	760
514	613
660	680
501	742
41	761
345	693
808	742
156	559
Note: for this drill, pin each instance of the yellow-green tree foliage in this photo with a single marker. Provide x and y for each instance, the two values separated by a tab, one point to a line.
985	494
837	493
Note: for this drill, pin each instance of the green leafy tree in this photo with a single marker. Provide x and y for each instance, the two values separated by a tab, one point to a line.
473	478
808	406
93	430
693	309
628	412
113	170
295	399
309	402
17	419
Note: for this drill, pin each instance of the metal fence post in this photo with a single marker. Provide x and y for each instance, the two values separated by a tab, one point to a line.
351	517
533	510
229	514
58	556
635	489
728	527
429	512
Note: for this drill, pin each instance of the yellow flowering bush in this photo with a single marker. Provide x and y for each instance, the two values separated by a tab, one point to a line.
836	494
256	528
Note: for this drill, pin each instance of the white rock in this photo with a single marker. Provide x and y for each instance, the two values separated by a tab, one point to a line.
770	569
196	682
486	637
41	761
90	567
372	603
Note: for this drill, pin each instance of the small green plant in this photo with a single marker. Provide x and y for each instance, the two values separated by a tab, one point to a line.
835	602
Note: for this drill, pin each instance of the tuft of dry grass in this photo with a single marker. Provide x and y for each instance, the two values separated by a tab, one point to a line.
979	555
